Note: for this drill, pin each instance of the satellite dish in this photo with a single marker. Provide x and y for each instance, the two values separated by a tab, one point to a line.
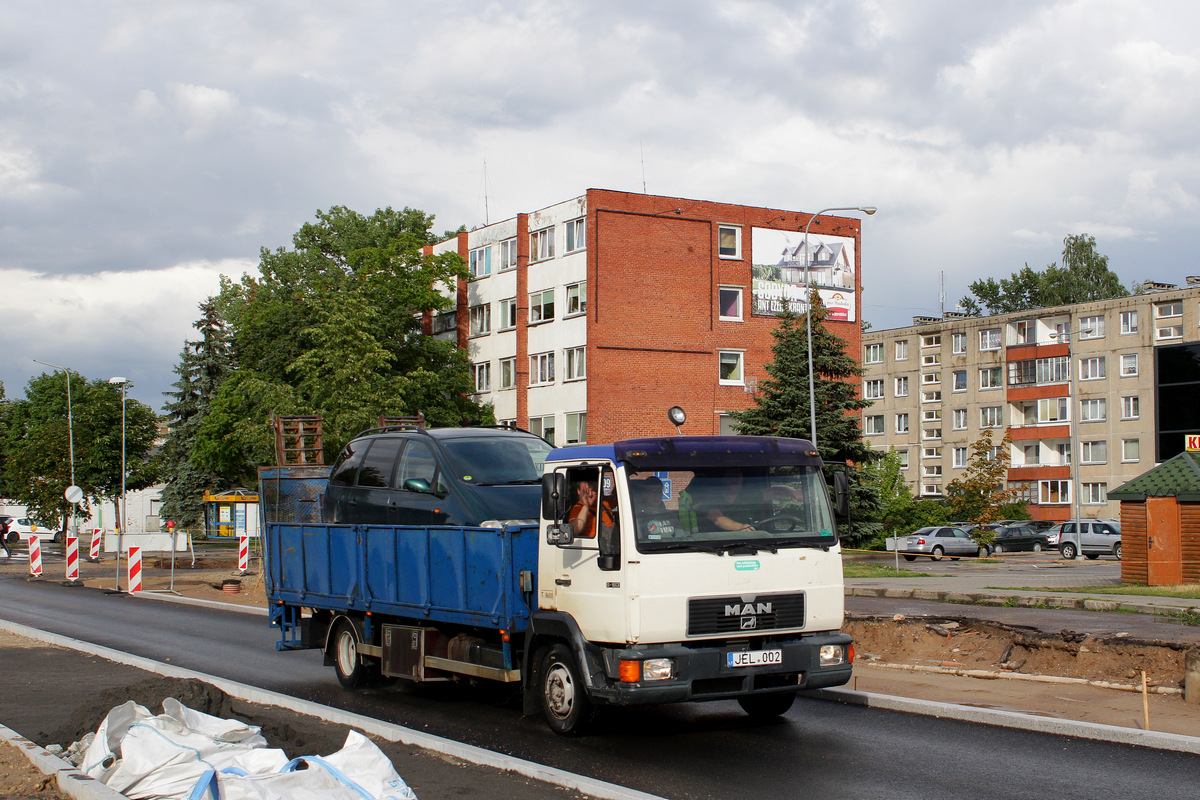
73	494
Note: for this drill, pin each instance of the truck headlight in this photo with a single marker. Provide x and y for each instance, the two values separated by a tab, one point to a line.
832	654
652	669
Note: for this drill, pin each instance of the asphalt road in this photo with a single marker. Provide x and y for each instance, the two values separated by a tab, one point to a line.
692	751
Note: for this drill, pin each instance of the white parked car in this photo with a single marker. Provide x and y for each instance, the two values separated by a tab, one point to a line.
25	528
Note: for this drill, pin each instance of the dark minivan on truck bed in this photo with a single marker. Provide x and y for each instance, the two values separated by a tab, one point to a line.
406	475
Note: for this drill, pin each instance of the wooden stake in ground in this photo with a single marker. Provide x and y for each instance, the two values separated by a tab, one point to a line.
1145	704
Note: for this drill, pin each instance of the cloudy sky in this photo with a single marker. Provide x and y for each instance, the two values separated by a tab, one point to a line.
148	147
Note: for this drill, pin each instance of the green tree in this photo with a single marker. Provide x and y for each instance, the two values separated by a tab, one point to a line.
1083	276
37	445
981	492
897	507
332	327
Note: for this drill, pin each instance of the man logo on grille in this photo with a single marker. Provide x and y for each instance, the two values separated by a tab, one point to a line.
749	623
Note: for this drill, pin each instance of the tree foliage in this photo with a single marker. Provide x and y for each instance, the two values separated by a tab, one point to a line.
1083	276
981	492
897	507
331	327
37	442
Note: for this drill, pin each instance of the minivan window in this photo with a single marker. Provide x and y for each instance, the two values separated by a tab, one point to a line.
346	466
417	462
379	463
495	460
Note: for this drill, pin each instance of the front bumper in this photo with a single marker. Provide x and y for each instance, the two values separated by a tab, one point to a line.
702	672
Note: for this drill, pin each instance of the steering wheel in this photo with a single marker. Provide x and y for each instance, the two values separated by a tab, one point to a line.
781	523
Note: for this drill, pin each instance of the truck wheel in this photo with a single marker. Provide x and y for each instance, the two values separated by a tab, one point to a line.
1068	551
767	706
351	672
565	703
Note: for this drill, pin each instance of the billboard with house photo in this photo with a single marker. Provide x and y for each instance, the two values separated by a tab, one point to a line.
782	270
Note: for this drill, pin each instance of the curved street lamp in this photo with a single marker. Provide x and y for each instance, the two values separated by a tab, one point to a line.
812	390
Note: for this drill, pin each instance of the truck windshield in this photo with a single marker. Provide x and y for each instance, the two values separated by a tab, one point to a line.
731	509
497	460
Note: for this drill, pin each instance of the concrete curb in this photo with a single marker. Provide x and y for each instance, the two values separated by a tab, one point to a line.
1011	719
70	780
1027	599
394	733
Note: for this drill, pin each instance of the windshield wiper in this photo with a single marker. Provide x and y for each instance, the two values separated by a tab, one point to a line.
703	548
750	547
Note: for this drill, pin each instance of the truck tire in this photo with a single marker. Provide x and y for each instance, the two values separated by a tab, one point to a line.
351	671
767	706
563	694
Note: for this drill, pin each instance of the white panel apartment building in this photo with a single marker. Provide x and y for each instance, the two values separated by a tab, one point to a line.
1095	394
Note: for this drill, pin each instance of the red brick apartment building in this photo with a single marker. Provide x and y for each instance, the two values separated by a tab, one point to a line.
588	319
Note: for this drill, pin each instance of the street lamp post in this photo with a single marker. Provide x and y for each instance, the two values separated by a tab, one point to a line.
812	387
1076	409
124	383
70	439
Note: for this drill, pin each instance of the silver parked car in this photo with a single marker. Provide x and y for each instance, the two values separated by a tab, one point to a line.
1091	537
942	540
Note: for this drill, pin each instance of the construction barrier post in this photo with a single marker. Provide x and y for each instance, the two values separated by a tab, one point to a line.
35	555
243	554
94	550
135	569
73	558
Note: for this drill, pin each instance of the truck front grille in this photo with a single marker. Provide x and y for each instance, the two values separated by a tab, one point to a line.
768	612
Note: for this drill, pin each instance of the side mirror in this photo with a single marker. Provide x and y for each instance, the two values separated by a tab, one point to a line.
560	534
419	485
554	496
841	494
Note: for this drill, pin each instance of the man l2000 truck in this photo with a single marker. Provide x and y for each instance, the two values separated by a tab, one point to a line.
661	570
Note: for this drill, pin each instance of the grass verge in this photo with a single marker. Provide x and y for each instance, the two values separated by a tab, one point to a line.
1184	592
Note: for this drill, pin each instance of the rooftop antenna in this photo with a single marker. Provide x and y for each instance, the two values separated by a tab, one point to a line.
486	218
942	294
642	150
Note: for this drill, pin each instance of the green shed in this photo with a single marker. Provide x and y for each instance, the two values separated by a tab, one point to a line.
1160	523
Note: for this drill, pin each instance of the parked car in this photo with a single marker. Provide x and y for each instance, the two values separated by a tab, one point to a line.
936	541
1014	538
408	475
1091	537
25	528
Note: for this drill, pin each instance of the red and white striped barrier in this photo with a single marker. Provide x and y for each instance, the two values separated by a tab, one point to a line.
94	551
72	558
243	554
135	569
35	555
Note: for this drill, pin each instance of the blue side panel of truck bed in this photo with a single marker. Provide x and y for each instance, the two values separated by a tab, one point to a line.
465	576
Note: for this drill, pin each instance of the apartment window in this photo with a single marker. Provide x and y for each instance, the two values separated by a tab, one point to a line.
729	241
1052	409
508	254
873	390
481	320
933	452
1031	453
483	376
960	419
576	299
932	433
445	322
931	490
931	360
958	343
1092	410
508	314
1053	370
873	424
931	378
874	354
1054	493
1093	494
931	341
902	386
1131	450
902	350
991	417
543	427
902	423
1093	452
575	429
729	302
541	244
575	236
1164	310
959	379
576	363
1091	327
541	369
960	457
541	306
1169	332
990	378
1129	365
903	458
931	397
1026	331
1091	369
989	339
480	262
508	373
933	415
932	471
1129	322
1130	407
1062	452
730	367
